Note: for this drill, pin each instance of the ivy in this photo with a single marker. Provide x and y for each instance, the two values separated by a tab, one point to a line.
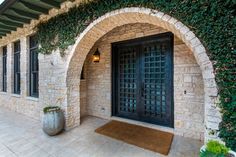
213	21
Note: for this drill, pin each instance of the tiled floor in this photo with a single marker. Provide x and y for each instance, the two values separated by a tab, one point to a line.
21	136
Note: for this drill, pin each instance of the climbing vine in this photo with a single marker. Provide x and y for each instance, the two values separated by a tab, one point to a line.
213	21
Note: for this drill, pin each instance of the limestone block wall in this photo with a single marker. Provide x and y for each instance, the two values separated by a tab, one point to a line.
52	72
188	82
52	83
83	92
83	98
21	103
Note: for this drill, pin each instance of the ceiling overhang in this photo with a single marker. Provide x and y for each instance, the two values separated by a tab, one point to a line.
15	13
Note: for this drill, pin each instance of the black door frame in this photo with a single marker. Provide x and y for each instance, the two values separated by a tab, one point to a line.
158	37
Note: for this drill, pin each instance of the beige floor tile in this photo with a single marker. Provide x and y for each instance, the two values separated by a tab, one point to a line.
21	136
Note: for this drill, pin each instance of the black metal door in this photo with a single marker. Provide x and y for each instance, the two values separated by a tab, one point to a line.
143	79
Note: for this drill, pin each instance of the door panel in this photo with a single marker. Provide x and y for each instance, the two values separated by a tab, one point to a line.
153	80
155	83
143	79
127	79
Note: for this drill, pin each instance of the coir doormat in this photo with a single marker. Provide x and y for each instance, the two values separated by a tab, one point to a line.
154	140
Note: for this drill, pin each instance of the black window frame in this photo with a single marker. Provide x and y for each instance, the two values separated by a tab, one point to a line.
17	71
4	69
33	67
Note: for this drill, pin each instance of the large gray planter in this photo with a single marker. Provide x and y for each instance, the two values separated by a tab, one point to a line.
53	121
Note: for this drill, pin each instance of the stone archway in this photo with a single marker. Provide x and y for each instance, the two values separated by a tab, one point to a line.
109	21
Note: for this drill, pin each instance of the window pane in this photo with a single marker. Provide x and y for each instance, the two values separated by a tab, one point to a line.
33	66
34	60
33	41
35	85
17	46
17	67
4	69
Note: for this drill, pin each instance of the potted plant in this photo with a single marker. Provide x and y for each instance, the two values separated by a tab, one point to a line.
216	149
53	120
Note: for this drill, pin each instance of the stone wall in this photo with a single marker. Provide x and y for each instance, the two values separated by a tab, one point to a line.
52	89
21	103
189	107
83	98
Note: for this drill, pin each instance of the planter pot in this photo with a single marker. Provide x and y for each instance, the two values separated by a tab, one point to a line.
231	153
53	122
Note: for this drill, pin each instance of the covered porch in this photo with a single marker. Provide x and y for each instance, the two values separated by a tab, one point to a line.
21	136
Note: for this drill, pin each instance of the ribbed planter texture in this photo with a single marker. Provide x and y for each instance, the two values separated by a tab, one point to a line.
53	122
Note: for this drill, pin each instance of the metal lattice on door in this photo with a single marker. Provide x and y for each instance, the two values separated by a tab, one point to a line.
127	79
154	80
143	79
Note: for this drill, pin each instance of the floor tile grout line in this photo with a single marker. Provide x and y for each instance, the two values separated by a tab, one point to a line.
10	149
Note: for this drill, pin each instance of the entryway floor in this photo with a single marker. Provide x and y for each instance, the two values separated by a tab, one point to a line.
21	136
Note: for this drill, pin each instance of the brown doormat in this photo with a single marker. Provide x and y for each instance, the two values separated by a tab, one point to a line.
155	140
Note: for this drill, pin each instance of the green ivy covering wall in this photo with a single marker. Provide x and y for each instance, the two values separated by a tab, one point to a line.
213	21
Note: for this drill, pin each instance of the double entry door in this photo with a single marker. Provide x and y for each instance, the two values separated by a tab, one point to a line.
142	79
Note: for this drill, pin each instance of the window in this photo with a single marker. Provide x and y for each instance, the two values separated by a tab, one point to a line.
17	67
4	69
34	67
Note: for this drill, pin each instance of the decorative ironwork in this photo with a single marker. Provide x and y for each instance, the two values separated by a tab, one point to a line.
154	79
127	79
143	79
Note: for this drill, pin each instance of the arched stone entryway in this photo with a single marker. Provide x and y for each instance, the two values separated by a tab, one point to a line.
117	18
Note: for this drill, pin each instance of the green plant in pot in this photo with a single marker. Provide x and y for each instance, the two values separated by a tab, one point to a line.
53	120
216	149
